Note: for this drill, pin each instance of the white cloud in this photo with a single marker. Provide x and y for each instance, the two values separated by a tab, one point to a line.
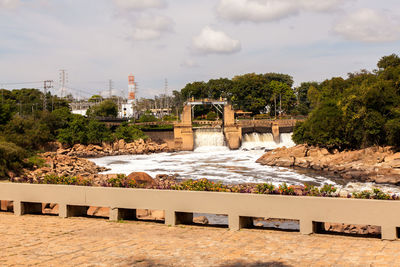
210	41
270	10
9	3
152	27
368	25
134	5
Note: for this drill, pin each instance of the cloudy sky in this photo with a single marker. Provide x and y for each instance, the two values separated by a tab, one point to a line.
187	40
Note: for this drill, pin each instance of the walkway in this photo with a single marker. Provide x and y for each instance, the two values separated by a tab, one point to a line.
52	241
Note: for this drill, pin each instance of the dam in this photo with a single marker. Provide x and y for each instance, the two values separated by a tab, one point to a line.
230	131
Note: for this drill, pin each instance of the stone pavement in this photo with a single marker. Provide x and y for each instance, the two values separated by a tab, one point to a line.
52	241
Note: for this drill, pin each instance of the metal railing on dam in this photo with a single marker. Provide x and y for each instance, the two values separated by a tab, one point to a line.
179	206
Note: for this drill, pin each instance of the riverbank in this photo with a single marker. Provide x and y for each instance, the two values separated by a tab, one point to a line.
379	165
119	147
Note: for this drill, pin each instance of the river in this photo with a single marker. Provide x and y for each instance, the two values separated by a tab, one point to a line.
211	159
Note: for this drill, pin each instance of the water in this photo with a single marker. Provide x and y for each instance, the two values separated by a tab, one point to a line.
211	159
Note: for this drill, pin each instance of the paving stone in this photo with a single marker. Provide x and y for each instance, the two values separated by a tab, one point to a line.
53	241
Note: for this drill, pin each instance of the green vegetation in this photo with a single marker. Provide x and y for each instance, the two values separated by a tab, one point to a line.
249	92
360	111
147	117
129	133
26	127
106	108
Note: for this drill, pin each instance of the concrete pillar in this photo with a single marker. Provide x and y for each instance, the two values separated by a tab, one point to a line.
389	232
229	115
173	218
65	211
117	214
275	133
237	222
233	136
306	226
21	208
186	117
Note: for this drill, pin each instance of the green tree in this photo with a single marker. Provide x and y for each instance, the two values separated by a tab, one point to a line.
128	133
105	109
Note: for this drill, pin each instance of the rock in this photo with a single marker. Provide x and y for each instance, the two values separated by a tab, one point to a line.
200	220
121	144
141	178
373	164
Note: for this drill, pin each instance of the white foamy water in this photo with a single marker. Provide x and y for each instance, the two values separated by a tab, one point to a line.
211	159
214	163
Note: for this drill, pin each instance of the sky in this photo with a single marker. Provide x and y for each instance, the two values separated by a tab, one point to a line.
186	40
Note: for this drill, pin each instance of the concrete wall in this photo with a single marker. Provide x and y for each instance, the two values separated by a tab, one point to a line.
180	205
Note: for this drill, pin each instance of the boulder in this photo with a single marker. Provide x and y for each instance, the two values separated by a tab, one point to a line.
141	178
200	220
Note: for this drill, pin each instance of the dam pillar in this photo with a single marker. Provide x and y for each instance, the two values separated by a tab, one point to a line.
275	132
232	131
183	132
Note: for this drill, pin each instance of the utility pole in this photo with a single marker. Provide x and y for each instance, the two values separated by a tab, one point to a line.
165	94
110	87
280	105
47	85
63	82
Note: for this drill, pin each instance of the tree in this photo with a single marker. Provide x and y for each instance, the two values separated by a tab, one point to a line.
360	111
392	60
128	133
105	109
76	132
96	98
98	132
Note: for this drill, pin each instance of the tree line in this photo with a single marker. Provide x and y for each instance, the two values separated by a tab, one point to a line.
358	111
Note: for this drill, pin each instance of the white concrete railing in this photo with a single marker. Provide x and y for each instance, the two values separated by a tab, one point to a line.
179	206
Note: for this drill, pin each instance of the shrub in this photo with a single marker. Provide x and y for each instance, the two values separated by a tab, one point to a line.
265	188
11	158
129	133
147	117
284	189
105	109
211	116
66	180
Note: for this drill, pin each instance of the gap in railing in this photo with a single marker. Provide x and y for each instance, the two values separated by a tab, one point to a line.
210	220
98	212
6	206
288	225
49	209
156	216
354	230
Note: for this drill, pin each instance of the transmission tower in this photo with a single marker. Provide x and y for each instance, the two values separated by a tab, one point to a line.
110	88
63	82
46	86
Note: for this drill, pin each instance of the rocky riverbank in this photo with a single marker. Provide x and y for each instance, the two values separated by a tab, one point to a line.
373	164
117	148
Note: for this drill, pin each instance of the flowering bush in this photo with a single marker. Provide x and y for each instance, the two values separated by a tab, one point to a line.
265	188
284	189
374	194
66	180
121	180
325	191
